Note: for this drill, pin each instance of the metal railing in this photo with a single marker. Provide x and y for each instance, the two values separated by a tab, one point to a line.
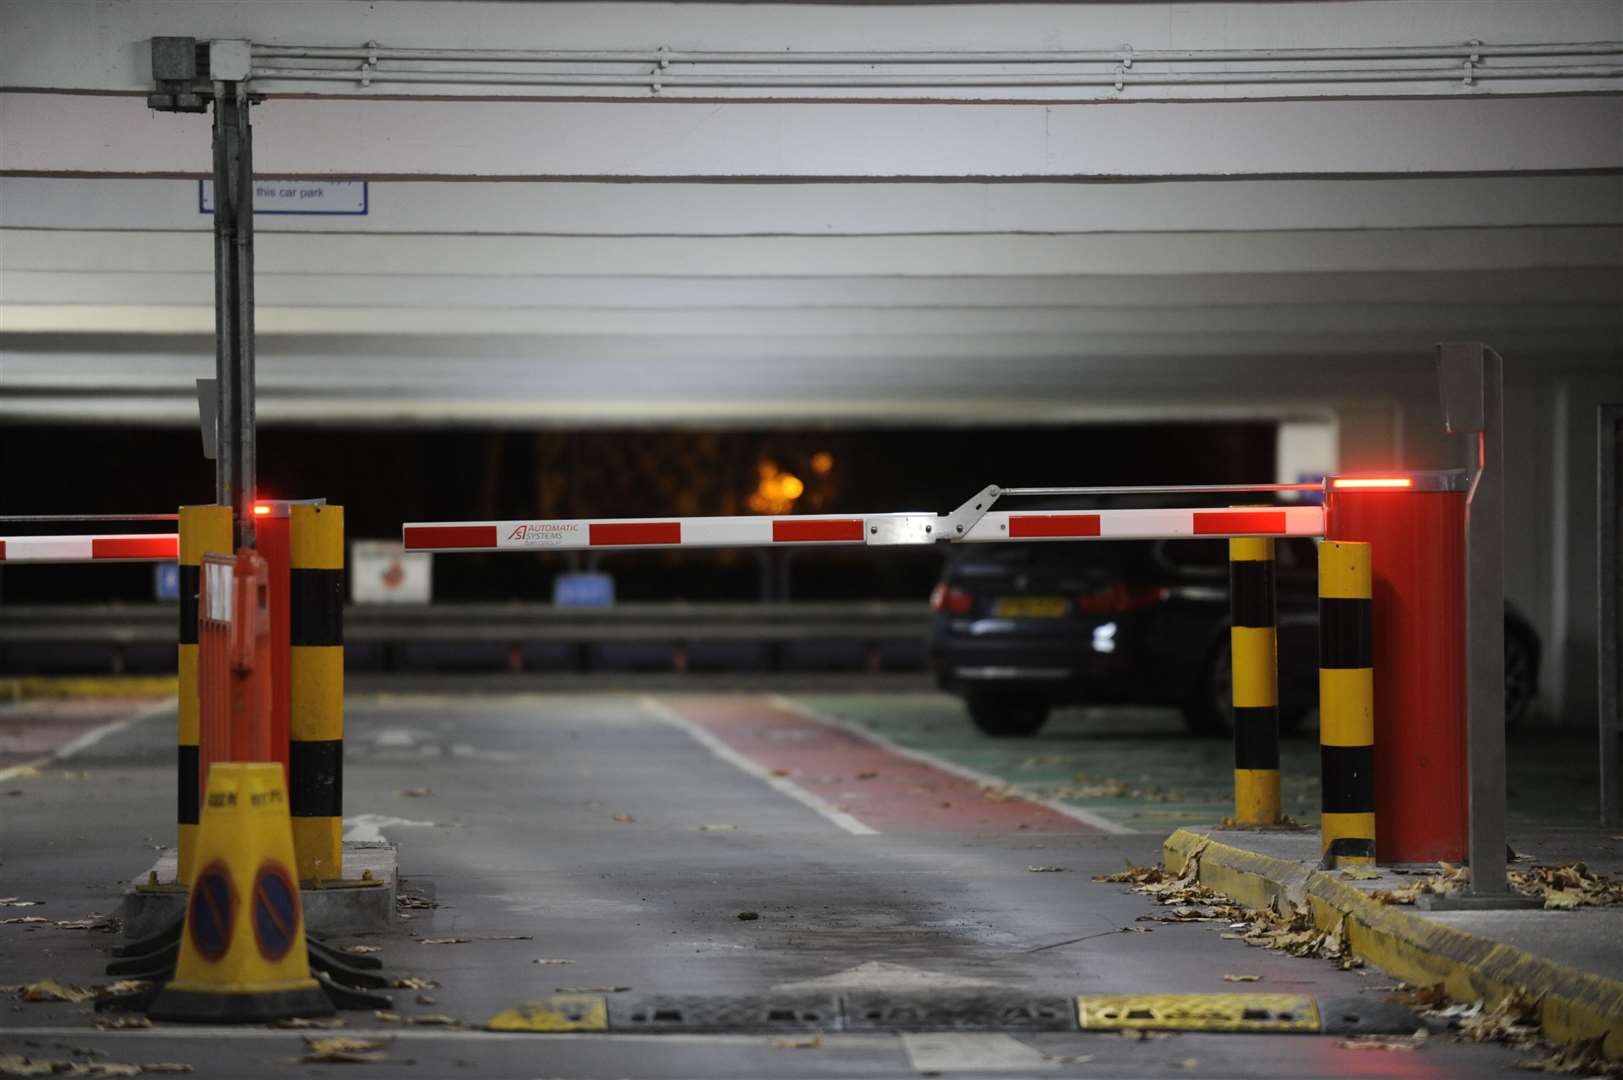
866	624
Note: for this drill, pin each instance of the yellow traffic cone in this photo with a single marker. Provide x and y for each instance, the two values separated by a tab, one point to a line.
243	955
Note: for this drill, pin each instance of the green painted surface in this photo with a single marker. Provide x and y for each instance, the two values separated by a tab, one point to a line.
1140	767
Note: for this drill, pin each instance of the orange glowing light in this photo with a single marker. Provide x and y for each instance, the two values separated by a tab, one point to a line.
261	508
1372	482
822	463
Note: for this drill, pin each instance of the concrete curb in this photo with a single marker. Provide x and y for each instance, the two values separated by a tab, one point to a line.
1574	1006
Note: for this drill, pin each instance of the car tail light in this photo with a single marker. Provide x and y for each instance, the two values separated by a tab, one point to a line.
1119	598
952	601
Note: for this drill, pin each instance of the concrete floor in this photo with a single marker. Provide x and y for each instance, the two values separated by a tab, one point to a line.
526	847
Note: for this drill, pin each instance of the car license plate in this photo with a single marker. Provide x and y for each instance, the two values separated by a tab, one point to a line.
1030	607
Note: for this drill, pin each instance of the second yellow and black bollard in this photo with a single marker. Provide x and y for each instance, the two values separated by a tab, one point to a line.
1255	672
1346	703
316	689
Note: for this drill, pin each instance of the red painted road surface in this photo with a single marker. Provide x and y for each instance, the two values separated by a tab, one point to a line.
880	788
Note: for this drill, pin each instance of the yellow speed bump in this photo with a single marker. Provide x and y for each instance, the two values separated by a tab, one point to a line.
560	1012
1198	1012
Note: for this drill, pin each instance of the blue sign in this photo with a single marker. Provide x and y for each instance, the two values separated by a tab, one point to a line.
583	590
166	581
276	912
212	912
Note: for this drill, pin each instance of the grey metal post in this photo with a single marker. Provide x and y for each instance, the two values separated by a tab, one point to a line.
1609	520
234	306
1471	378
1485	638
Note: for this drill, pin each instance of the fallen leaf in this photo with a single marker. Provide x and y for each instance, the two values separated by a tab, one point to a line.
413	900
780	772
117	1023
344	1049
126	986
51	990
1242	978
1045	869
624	817
104	1068
1189	1063
797	1044
436	1018
1561	901
386	1016
362	950
1143	1034
1584	1058
717	828
1353	873
309	1022
17	901
415	984
416	792
424	999
17	1065
548	961
443	940
166	1067
26	919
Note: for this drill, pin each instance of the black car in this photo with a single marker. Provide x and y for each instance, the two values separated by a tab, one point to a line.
1017	629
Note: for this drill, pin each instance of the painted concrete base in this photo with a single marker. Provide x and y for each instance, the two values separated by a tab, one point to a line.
1474	955
338	909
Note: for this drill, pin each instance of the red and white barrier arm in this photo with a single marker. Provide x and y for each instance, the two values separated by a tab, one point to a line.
118	547
873	529
582	534
1146	524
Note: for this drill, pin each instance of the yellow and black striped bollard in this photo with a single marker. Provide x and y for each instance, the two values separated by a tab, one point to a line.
1255	669
316	689
1346	704
204	530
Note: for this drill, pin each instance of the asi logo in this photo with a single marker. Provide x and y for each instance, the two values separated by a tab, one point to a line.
542	532
276	911
212	911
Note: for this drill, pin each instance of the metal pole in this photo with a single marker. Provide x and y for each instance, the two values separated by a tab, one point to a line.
1485	640
1609	520
234	477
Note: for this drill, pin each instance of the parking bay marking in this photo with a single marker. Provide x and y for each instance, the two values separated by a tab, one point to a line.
1087	817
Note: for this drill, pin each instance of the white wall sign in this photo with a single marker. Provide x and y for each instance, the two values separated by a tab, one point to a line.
380	572
346	197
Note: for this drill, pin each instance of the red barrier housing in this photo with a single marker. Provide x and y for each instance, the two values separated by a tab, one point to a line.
234	661
274	537
1416	535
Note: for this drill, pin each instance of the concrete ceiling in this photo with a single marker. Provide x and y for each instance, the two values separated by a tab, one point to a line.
1195	258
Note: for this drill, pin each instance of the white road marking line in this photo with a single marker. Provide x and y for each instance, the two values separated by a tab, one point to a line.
934	1053
782	784
88	739
368	828
844	1040
1087	817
